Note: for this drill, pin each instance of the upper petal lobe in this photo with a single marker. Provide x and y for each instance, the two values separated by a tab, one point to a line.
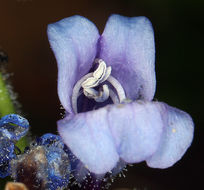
74	42
127	44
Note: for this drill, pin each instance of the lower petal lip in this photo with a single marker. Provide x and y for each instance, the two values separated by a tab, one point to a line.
98	138
133	132
176	139
91	142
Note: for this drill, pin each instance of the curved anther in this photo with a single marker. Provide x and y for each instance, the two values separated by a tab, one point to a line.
76	89
100	71
99	75
90	93
113	97
91	82
103	94
119	89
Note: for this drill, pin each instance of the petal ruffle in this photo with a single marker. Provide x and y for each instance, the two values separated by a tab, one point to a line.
177	137
74	42
127	44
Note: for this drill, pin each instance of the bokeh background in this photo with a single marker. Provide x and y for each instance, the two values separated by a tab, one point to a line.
179	40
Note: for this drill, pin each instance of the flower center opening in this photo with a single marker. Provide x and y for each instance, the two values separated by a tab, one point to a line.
99	86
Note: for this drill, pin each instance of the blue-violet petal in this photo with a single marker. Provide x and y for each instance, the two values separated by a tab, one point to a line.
127	44
98	138
136	129
176	139
89	138
74	42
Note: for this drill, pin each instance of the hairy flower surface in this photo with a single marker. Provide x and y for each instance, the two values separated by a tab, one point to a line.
106	85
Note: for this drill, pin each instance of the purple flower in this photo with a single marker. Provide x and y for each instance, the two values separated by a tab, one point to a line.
106	85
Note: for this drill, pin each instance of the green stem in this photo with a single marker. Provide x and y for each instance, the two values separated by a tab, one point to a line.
7	107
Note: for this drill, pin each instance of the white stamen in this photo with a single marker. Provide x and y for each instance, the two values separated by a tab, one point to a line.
100	71
90	93
76	89
91	80
99	75
103	70
114	97
107	74
99	96
118	88
103	94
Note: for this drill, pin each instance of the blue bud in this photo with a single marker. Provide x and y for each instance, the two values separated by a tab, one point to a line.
14	126
50	139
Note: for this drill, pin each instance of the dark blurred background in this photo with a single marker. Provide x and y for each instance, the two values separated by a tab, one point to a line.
179	37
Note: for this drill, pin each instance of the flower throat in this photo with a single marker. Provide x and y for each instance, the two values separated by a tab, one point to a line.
98	86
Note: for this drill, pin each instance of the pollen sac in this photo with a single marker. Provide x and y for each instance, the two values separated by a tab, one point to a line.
100	71
45	166
6	155
14	126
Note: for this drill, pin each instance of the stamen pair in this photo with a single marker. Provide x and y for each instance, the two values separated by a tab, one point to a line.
99	76
94	79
